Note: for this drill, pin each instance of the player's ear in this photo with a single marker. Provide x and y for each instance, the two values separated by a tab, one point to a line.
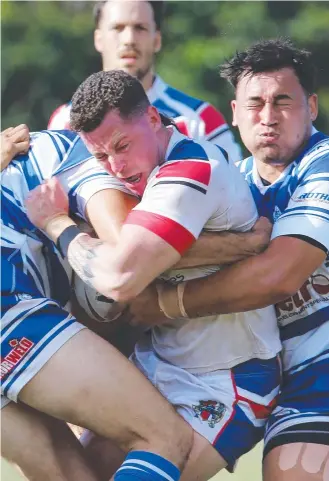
157	41
154	117
98	41
313	106
233	105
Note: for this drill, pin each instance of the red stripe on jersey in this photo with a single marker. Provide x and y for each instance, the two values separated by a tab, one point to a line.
188	169
169	230
182	127
212	119
62	116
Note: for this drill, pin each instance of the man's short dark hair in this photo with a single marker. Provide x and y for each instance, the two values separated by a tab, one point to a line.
270	55
103	92
157	7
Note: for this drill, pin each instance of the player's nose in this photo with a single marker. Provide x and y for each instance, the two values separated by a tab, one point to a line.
117	164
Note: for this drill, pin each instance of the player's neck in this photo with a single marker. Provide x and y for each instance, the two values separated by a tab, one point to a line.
148	80
164	136
270	172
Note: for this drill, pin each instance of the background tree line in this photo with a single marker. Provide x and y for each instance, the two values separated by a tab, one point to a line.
47	49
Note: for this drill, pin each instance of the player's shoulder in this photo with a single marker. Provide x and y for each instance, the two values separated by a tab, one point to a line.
184	148
315	160
60	140
60	118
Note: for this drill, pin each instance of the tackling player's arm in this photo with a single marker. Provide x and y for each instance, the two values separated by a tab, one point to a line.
300	244
255	282
107	210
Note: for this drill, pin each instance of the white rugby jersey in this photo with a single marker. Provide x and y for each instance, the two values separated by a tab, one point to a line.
193	117
23	245
197	188
298	204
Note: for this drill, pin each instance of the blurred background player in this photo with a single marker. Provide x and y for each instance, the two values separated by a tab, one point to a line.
128	35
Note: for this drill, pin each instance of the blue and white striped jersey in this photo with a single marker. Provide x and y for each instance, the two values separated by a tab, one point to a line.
298	204
26	251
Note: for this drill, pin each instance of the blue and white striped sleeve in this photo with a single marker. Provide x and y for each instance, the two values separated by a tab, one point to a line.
84	180
307	213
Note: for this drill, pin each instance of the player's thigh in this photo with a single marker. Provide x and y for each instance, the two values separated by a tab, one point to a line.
44	448
297	462
89	383
296	442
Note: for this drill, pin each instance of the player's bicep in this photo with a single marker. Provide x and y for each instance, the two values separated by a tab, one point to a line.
107	210
296	258
307	213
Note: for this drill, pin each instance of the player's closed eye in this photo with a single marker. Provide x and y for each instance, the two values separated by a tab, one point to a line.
122	147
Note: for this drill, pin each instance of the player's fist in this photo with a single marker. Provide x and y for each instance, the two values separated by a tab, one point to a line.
47	202
261	231
145	308
14	141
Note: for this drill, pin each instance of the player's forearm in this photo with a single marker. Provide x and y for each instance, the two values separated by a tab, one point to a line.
242	287
224	248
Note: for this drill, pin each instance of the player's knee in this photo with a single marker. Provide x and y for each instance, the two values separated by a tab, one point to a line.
172	439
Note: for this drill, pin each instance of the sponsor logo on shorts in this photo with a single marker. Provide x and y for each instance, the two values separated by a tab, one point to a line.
19	349
210	411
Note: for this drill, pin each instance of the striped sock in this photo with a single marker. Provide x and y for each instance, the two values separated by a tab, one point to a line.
145	466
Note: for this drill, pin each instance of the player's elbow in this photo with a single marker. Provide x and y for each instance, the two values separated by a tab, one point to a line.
284	285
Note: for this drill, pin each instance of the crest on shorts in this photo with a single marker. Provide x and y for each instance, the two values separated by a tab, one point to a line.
210	411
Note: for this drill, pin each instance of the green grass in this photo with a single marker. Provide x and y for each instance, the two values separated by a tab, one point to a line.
248	469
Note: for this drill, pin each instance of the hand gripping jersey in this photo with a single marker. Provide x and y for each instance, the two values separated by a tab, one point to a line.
194	118
197	188
298	204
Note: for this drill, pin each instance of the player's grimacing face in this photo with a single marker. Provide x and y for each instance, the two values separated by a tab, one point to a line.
127	37
274	115
127	149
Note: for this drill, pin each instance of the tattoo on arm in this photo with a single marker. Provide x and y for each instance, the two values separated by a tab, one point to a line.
82	255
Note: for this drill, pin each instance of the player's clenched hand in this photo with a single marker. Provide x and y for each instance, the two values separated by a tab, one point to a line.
262	231
14	141
47	202
145	308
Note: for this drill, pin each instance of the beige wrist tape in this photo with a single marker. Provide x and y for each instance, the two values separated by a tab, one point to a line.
180	294
162	300
171	300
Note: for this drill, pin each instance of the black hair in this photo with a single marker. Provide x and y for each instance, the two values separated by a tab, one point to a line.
270	55
157	7
105	91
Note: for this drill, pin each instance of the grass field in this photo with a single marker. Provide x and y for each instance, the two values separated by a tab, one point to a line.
249	469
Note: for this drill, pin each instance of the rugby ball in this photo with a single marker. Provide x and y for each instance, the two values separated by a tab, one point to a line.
97	306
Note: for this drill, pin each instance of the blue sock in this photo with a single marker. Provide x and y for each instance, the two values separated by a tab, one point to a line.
145	466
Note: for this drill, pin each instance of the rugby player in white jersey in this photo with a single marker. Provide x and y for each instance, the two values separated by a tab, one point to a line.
51	366
128	36
274	108
221	373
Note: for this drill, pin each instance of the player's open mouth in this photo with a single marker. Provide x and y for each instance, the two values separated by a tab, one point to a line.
134	179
